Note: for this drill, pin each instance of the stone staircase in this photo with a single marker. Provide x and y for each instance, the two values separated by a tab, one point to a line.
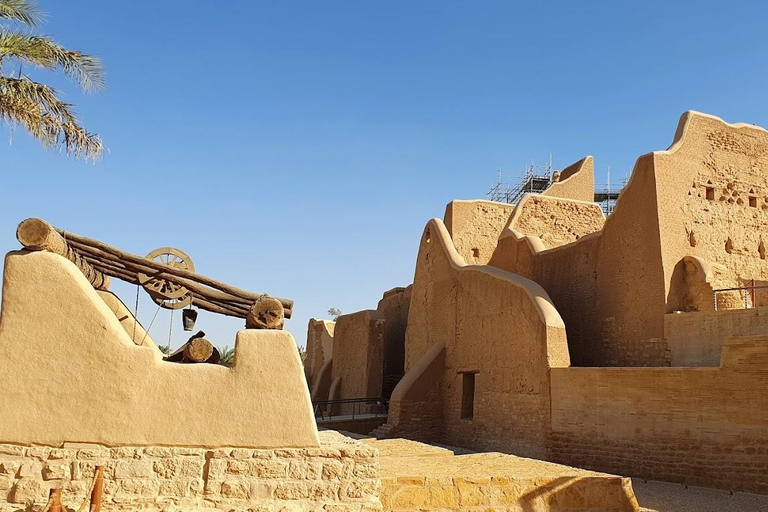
382	431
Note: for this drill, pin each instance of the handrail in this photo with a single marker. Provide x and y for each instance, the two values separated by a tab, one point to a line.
327	409
750	288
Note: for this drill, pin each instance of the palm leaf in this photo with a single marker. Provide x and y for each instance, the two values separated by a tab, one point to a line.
44	52
24	11
53	122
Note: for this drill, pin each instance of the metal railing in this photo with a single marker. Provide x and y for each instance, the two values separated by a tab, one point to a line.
747	294
350	408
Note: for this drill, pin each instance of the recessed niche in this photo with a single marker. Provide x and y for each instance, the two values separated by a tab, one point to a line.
729	246
753	201
761	250
710	192
475	252
692	239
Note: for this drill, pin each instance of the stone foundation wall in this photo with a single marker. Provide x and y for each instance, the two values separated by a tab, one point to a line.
341	475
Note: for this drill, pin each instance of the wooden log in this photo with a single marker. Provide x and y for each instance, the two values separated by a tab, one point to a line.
38	235
197	350
113	265
266	313
84	242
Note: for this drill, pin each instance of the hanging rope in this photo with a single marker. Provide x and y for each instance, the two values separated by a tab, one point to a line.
146	333
170	329
136	316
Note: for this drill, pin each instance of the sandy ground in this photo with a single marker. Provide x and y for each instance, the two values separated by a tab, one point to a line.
666	497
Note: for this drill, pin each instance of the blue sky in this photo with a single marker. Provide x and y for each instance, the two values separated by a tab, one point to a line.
299	148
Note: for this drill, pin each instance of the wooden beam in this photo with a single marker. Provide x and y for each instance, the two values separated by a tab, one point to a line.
38	235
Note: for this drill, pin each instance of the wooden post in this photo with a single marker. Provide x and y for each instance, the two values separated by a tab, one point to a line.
97	490
55	499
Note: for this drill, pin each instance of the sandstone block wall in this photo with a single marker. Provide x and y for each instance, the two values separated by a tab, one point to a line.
697	338
337	476
700	426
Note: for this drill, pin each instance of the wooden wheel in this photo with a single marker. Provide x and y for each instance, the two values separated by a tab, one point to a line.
164	292
171	303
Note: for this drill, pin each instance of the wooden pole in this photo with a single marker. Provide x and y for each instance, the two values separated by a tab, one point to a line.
97	490
38	235
98	261
54	497
122	269
85	243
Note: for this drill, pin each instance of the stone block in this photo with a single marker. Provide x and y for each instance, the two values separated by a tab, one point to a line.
134	469
332	470
304	470
57	471
38	452
241	453
235	489
217	468
192	468
166	468
6	482
291	491
11	450
61	453
188	452
27	491
93	453
269	468
31	469
10	468
159	451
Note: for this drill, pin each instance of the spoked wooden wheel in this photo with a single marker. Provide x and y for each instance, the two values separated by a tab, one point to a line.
165	293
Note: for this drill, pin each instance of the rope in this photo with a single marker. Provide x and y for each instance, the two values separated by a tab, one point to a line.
170	329
48	505
136	316
146	333
90	491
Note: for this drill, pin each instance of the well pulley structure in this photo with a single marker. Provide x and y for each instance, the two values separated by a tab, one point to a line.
167	274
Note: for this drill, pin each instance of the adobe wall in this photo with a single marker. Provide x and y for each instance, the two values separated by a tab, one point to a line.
701	426
358	355
319	348
555	221
697	338
340	474
609	285
577	181
468	309
394	307
713	203
71	373
475	227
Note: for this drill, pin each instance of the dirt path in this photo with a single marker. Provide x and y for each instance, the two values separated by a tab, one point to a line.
666	497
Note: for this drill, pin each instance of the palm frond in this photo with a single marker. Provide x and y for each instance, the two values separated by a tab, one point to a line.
24	11
52	121
44	52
